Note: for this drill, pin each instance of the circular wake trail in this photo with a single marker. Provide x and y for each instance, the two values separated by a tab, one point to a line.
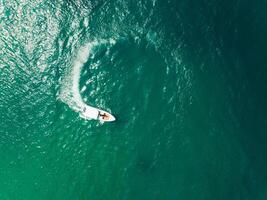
70	90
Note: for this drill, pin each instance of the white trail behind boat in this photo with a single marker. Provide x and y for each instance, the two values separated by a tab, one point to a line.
70	90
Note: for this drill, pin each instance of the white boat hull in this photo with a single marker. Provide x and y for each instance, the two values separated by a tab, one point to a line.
90	112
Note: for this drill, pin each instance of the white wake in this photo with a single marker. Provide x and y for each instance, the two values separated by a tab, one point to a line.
70	86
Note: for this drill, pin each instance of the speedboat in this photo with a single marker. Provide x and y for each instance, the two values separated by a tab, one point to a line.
89	112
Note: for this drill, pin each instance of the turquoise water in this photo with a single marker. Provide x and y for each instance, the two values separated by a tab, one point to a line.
185	79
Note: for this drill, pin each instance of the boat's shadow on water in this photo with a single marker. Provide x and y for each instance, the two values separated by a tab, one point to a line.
118	121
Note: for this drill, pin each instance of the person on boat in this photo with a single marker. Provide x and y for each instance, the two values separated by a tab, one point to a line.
104	116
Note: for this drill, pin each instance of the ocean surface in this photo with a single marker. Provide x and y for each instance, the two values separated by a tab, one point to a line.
186	80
